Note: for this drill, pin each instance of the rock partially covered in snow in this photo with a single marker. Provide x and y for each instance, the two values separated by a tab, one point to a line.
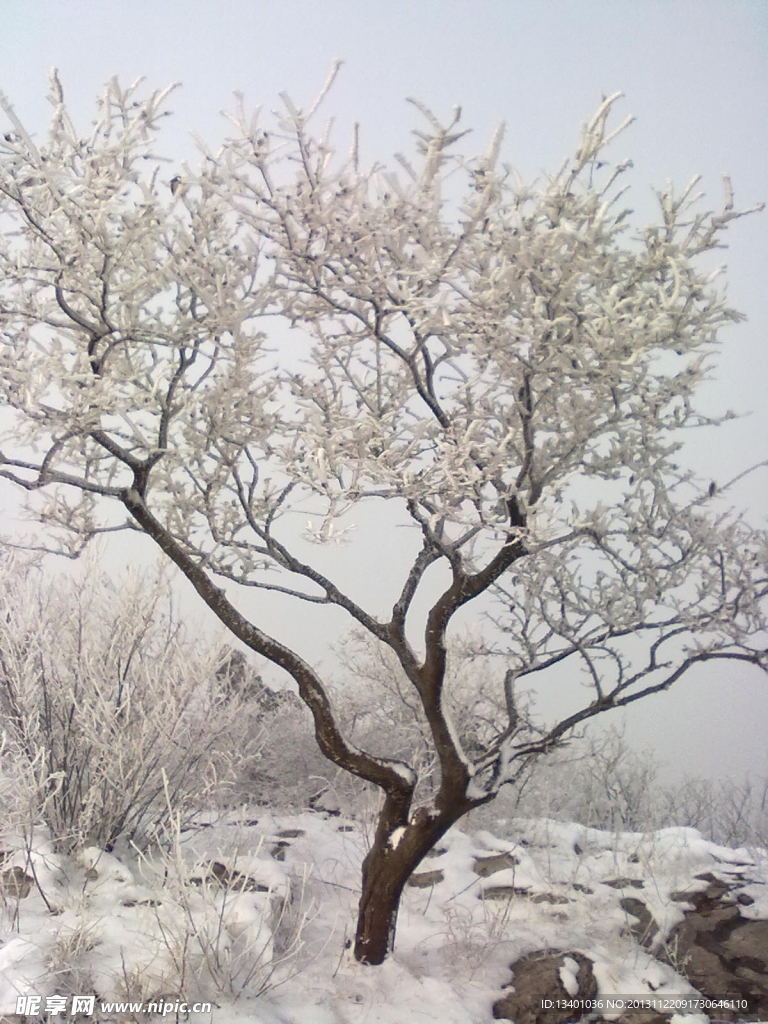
722	951
558	976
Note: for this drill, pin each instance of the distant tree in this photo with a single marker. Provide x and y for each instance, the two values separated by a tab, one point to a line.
513	371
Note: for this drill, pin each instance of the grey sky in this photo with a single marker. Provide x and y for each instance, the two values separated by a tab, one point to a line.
694	74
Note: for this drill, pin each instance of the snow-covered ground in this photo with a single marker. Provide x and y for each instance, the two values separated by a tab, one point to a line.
255	911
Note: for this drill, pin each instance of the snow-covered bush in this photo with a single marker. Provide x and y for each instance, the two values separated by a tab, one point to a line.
203	914
727	811
599	781
602	782
109	713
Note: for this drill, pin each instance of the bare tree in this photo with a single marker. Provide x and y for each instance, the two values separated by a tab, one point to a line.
513	371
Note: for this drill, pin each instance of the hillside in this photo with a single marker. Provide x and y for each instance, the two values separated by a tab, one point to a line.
253	911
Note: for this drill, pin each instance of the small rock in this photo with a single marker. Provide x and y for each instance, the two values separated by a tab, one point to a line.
646	929
503	892
485	866
16	883
425	879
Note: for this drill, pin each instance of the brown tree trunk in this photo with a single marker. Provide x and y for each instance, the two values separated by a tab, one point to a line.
386	869
383	881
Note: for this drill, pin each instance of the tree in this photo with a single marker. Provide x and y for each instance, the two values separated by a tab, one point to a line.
513	372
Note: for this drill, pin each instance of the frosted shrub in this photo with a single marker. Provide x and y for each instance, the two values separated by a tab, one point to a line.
109	713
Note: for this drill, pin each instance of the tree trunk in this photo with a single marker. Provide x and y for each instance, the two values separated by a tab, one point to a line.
383	880
386	869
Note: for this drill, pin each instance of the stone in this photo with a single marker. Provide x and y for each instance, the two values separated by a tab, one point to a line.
228	878
644	928
15	883
436	851
425	879
720	952
502	892
642	1017
537	976
485	866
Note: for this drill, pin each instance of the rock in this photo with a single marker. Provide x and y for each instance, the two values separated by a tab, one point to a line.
425	879
717	950
720	952
485	866
227	878
502	892
508	892
538	976
325	801
624	883
642	1017
646	929
15	883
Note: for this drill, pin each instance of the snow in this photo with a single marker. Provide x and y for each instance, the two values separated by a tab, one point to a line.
266	940
569	976
397	835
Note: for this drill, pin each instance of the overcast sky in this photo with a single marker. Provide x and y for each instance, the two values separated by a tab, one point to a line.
694	74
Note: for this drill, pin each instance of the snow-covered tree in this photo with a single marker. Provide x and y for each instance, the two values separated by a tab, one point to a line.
513	370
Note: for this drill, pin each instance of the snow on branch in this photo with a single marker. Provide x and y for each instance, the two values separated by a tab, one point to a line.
277	337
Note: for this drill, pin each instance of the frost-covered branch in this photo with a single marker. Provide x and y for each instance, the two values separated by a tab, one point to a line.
283	336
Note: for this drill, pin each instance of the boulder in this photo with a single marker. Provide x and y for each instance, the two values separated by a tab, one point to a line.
540	975
720	952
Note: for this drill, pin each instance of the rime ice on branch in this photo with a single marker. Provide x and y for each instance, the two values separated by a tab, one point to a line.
515	373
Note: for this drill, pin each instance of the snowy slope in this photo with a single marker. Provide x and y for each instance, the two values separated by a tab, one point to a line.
256	912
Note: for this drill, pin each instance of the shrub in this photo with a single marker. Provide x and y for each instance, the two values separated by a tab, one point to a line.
110	713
